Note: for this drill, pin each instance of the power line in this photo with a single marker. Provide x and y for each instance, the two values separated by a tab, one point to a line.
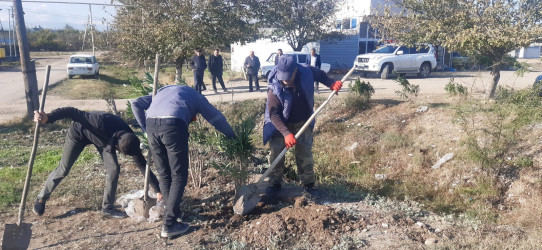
32	1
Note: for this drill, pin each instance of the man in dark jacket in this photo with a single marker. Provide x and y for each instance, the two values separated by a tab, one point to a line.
314	60
198	64
290	101
279	54
216	67
166	123
252	65
107	133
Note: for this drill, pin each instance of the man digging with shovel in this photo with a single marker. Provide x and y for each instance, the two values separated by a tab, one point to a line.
107	133
166	123
290	103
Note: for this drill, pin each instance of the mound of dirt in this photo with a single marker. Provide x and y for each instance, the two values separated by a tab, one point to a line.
321	225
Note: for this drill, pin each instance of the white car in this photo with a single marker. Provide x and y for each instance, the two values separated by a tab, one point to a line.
83	65
301	57
420	60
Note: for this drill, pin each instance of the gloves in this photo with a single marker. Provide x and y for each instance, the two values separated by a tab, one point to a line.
336	86
290	141
195	118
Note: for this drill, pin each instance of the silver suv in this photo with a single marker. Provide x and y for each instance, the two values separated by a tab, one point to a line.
401	59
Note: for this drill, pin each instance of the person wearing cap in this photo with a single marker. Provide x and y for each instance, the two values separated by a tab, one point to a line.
314	60
108	133
290	103
198	64
252	65
166	122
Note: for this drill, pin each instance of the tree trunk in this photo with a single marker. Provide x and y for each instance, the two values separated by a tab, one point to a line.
496	75
178	69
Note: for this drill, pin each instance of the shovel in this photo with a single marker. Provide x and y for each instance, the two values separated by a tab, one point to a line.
249	195
142	207
17	236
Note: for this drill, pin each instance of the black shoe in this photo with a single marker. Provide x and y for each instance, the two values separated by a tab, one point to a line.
273	190
177	228
258	90
114	213
225	90
309	188
39	207
216	92
250	90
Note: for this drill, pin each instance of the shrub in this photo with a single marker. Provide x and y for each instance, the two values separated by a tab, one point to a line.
407	90
453	88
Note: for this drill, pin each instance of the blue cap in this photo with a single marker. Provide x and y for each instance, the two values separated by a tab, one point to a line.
285	67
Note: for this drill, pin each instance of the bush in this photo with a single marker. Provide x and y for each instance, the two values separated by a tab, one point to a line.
407	90
453	88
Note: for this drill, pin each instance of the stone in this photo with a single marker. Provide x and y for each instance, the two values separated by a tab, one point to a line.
422	109
431	241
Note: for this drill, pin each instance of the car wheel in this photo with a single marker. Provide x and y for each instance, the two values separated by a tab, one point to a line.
385	74
364	74
425	70
70	76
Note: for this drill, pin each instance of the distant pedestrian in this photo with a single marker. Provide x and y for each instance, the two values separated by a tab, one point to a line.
216	67
314	60
252	65
166	122
279	54
198	64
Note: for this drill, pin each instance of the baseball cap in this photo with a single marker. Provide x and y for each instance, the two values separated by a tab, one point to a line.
285	67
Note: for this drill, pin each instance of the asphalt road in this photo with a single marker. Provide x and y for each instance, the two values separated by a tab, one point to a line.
11	79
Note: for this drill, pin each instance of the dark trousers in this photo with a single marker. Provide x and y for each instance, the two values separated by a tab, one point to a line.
72	150
198	81
168	141
214	77
255	77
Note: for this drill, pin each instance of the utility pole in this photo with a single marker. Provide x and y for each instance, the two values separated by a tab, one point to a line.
13	35
91	28
9	33
28	66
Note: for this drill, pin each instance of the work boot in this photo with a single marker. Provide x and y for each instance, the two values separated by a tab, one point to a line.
273	190
39	207
310	189
114	213
177	228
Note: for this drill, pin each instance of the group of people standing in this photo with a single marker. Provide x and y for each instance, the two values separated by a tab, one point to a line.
165	118
251	68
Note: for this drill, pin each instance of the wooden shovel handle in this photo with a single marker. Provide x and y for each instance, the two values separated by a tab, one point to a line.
34	148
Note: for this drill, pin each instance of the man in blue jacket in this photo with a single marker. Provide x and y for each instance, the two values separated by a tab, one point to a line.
290	103
166	125
314	60
216	67
198	64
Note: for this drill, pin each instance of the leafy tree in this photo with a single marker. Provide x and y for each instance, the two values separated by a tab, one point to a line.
490	28
174	28
302	21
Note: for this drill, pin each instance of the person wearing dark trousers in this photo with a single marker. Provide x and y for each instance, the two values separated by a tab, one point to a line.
107	133
279	54
198	64
290	103
216	66
314	60
252	65
166	122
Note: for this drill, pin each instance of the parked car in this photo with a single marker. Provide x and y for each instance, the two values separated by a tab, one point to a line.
83	65
301	57
459	61
420	60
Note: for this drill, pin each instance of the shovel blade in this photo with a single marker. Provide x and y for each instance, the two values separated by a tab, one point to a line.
17	236
249	197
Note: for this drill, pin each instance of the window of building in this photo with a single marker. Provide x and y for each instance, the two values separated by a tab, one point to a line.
339	24
346	24
353	23
363	29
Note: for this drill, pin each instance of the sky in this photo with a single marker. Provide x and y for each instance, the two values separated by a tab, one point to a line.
57	15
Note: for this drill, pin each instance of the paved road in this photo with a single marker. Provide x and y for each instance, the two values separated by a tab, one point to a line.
11	79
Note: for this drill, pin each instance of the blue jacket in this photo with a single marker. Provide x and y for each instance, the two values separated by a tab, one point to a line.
182	102
198	63
307	75
318	64
252	65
